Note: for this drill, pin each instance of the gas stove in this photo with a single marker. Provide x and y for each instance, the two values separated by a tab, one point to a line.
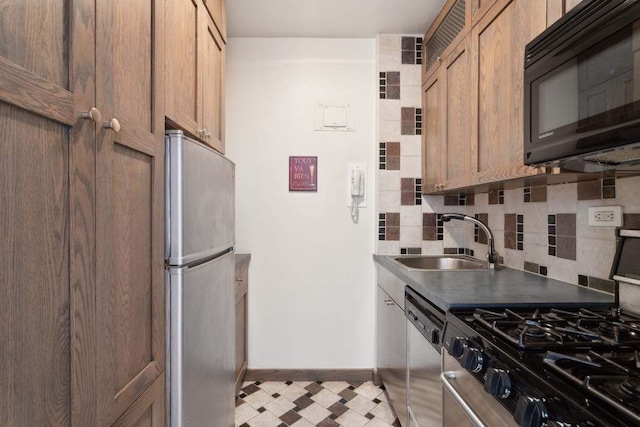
553	366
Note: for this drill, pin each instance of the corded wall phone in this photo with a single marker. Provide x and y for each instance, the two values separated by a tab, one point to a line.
357	190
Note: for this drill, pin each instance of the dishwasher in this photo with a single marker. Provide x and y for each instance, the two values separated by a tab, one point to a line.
424	362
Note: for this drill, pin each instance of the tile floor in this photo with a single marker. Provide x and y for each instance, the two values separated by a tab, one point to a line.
308	403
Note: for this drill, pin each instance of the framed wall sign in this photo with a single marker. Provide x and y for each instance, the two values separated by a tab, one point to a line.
303	173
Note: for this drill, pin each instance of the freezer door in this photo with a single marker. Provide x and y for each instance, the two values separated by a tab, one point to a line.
202	348
200	200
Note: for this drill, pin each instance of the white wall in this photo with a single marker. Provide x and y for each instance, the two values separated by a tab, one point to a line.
311	294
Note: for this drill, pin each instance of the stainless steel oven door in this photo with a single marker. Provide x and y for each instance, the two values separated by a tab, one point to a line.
465	403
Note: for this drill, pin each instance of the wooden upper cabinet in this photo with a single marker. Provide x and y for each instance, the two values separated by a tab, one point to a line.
500	37
212	94
217	11
195	55
130	315
433	137
183	27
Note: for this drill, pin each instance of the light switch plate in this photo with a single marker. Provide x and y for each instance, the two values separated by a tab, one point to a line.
605	216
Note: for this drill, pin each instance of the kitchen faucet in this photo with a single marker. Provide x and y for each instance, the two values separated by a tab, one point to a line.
492	255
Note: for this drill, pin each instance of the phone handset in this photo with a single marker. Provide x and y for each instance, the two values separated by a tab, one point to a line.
357	191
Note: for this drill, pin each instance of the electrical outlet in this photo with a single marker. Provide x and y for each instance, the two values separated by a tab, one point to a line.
605	216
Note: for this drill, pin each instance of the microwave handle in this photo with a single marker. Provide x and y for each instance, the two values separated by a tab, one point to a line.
451	375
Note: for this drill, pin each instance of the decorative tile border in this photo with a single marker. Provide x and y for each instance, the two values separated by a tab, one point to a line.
411	121
439	227
496	197
389	156
604	285
410	191
459	199
604	188
551	234
389	226
389	85
514	231
535	194
410	251
535	268
412	50
480	237
459	251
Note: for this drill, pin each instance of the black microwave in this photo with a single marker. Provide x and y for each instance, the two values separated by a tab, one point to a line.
582	89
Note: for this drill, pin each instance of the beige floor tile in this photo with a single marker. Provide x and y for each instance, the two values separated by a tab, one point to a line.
292	392
314	413
377	422
368	390
384	412
335	386
302	423
325	398
302	384
244	413
351	419
279	406
258	399
272	387
265	419
361	404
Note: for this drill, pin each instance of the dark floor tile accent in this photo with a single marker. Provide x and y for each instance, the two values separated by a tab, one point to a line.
376	400
478	235
566	247
290	417
410	251
282	425
239	401
303	401
244	425
275	395
347	394
369	415
338	408
355	384
566	224
589	190
631	221
261	409
314	388
583	280
250	389
602	284
609	188
328	422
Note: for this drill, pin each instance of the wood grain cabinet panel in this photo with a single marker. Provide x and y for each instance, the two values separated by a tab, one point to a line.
148	410
218	12
501	36
195	60
241	299
130	323
433	139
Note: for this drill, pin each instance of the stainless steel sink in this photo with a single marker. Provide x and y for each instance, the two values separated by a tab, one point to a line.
440	262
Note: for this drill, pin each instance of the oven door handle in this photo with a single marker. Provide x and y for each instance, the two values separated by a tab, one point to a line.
451	375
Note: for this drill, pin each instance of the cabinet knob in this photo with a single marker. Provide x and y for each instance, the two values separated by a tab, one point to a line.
239	279
112	124
389	301
202	133
92	114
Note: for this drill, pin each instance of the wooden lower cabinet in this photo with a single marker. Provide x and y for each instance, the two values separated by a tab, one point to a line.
242	289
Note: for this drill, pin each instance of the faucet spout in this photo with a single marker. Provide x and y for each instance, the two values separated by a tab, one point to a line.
492	256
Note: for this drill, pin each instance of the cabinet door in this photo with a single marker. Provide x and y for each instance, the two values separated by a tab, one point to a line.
217	10
183	23
433	139
212	94
241	289
461	113
392	352
501	36
46	175
130	313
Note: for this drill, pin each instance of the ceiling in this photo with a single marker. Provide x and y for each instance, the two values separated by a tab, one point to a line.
329	18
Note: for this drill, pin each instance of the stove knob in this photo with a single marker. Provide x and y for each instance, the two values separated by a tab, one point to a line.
497	383
457	346
531	412
472	359
557	424
435	336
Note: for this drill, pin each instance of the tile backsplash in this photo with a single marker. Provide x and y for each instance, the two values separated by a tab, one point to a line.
541	229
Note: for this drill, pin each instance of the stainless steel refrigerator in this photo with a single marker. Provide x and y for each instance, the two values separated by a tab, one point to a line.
200	241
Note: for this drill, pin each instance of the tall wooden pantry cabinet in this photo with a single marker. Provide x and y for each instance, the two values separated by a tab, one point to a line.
82	336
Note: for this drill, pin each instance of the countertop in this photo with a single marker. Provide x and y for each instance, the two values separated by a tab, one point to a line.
494	288
240	258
